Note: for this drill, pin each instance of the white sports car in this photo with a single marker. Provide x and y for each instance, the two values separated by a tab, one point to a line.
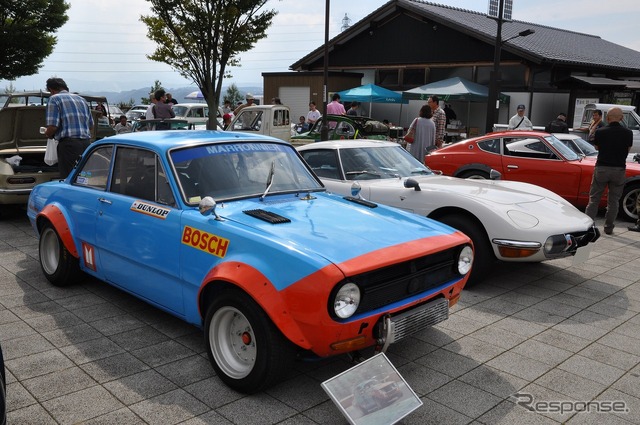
509	221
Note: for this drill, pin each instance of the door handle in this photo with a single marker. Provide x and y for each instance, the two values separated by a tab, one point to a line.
105	201
515	167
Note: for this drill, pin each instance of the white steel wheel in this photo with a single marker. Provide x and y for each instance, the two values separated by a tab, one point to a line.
233	342
58	265
49	250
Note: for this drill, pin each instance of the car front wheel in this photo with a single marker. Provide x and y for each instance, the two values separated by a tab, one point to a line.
245	348
58	265
628	202
475	174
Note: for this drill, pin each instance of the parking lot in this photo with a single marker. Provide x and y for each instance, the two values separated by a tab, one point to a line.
565	337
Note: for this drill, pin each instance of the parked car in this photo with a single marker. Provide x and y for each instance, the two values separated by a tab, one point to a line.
582	147
344	127
195	113
114	113
509	221
136	112
372	395
532	157
22	146
160	124
270	120
234	233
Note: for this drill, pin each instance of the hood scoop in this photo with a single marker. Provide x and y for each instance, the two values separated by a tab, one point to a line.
267	216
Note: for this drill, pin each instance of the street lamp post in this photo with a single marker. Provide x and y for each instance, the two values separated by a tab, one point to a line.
324	128
495	78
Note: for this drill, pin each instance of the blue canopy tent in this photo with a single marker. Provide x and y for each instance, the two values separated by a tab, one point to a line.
372	94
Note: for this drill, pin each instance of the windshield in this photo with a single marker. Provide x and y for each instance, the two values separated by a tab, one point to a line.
380	163
240	170
585	147
566	152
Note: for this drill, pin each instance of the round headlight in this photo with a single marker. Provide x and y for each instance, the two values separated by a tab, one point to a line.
347	300
465	260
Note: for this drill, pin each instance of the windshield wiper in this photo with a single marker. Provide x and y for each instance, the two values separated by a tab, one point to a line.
272	172
351	173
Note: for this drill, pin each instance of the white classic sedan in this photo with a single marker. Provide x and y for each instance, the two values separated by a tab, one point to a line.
506	220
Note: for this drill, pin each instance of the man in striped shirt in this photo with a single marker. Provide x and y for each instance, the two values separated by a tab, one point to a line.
439	119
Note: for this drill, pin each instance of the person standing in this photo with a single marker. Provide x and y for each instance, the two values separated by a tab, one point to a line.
439	119
169	99
424	138
519	121
613	143
123	126
450	113
353	110
313	115
594	124
249	98
69	121
559	125
335	107
162	109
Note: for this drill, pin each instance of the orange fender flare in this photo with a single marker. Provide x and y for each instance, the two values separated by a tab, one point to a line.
55	216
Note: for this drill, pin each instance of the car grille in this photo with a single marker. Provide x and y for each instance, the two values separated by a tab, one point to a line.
388	285
583	238
412	321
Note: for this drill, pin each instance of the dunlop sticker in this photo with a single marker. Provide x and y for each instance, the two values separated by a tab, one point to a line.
205	242
149	209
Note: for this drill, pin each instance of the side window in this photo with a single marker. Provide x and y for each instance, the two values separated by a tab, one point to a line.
139	174
95	171
492	145
323	163
630	121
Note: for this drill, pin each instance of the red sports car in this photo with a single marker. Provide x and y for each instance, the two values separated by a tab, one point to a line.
532	157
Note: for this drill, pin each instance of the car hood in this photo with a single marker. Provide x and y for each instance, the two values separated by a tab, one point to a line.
494	191
337	228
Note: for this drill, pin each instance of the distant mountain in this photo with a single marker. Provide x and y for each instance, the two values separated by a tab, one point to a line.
178	93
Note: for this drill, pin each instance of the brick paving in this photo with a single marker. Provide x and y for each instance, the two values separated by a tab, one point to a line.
557	331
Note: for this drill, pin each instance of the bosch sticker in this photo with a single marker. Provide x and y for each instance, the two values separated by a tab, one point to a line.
204	241
149	209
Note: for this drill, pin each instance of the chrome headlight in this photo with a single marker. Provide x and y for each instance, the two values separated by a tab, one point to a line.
557	244
347	300
465	260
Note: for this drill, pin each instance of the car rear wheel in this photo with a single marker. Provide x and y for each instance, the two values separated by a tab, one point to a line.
484	258
245	348
628	202
475	174
58	265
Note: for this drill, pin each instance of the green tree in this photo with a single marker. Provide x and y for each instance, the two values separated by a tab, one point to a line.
27	34
156	86
233	95
200	38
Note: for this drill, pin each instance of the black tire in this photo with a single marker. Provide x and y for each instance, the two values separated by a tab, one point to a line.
245	348
474	174
628	202
3	392
58	265
483	259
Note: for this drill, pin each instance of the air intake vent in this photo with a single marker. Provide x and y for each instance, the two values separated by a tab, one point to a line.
267	216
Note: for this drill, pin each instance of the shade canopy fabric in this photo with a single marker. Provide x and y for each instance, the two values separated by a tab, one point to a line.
372	94
455	88
195	95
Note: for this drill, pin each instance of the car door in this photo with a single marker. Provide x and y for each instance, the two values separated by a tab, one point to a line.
531	160
138	230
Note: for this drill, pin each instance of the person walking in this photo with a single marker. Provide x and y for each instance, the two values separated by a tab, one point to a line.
613	143
424	130
69	121
520	121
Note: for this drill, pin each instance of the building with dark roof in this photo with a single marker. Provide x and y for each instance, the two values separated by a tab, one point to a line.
409	43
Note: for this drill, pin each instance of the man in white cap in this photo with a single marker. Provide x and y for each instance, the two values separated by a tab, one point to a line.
519	121
249	99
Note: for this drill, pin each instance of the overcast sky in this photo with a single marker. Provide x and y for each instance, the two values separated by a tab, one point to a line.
104	40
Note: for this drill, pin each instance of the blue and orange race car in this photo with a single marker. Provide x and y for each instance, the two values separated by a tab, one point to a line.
235	234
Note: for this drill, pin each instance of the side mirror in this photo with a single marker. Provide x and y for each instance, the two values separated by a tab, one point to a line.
355	190
495	174
207	206
411	183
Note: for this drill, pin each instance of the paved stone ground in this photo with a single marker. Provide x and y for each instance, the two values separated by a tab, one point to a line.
557	331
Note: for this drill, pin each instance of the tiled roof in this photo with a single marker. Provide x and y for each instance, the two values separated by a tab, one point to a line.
546	45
